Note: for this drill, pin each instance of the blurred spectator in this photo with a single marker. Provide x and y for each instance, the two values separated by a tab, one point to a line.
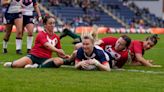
85	5
54	2
87	20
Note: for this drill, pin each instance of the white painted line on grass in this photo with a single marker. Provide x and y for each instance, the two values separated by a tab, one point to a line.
141	71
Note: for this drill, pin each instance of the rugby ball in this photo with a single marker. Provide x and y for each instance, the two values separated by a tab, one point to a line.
90	67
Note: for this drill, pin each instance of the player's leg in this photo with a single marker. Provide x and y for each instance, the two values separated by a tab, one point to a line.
6	36
71	60
19	26
52	63
29	28
29	25
20	63
8	21
63	34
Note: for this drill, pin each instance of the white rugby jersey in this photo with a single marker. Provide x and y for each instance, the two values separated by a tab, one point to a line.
14	6
28	7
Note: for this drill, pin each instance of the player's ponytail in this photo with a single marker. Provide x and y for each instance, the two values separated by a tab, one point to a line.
154	38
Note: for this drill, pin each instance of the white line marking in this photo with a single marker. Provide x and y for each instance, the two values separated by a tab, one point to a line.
141	71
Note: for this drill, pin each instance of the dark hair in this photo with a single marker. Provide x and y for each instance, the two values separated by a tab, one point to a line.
45	19
154	38
127	39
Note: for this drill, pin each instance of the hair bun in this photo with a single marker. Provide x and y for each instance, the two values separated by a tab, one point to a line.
155	36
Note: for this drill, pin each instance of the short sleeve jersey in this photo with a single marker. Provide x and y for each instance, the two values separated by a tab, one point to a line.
28	7
119	56
136	47
97	54
39	50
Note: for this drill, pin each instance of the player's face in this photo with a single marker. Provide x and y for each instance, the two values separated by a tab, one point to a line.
50	24
87	46
120	44
148	44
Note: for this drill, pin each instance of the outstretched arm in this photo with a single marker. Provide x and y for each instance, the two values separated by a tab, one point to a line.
145	62
54	49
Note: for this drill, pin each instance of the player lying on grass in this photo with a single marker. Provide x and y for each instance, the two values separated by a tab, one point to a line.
117	49
40	55
91	57
138	48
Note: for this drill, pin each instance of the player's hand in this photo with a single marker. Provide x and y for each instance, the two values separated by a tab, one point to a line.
150	61
67	56
156	66
94	62
61	52
40	19
84	64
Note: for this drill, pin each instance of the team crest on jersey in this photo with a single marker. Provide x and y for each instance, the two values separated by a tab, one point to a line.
52	41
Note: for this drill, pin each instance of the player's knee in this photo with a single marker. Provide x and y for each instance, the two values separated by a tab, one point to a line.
19	34
16	64
58	62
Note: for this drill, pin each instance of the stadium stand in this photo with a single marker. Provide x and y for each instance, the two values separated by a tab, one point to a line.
70	13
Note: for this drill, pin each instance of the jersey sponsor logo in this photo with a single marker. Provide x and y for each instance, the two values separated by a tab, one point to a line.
52	41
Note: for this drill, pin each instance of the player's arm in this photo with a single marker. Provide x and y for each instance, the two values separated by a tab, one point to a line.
99	42
143	61
48	46
104	66
63	55
38	11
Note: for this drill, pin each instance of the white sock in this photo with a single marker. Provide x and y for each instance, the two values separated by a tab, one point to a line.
18	44
4	44
29	42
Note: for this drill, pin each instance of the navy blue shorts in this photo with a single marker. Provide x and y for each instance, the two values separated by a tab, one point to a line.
36	60
10	17
27	20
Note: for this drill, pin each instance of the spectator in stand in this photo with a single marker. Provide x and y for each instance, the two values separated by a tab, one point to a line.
54	2
85	5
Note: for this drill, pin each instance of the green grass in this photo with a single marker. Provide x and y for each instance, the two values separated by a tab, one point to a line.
71	80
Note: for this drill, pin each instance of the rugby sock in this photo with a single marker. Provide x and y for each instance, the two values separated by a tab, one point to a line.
63	35
49	64
29	42
18	43
5	44
67	62
73	35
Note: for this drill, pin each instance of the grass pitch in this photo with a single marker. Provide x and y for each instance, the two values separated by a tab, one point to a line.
65	79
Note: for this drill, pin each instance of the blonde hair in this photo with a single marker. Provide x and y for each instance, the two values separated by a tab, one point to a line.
93	35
